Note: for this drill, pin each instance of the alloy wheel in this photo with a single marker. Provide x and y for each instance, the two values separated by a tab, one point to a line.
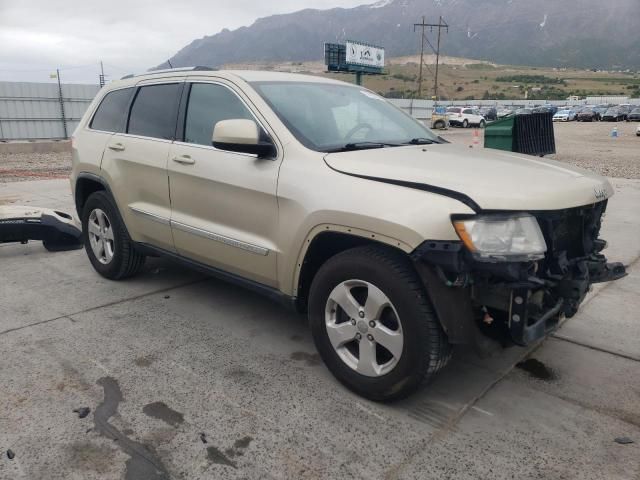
101	236
364	328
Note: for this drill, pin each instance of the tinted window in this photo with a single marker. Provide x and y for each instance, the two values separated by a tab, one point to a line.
467	111
208	104
154	111
112	112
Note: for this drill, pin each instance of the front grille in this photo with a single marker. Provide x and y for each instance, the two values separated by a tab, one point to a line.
573	231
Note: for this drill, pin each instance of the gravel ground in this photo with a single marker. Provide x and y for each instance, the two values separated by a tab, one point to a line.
587	145
15	167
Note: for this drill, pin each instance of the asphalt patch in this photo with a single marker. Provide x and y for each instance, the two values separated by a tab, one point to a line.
536	369
143	463
161	411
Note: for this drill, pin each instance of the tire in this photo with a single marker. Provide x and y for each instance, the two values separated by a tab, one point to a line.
465	123
482	124
120	259
379	273
439	125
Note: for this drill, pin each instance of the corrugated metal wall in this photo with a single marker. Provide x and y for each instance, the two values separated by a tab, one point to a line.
32	110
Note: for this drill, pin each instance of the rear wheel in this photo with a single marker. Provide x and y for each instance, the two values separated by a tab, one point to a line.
106	241
373	325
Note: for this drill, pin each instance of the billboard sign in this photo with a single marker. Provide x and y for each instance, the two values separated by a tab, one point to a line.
364	55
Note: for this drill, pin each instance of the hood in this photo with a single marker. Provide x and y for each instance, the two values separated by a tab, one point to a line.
492	179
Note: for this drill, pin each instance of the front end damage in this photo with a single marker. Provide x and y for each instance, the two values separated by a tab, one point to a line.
518	301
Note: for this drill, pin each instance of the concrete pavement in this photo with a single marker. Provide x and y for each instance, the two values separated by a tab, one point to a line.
170	355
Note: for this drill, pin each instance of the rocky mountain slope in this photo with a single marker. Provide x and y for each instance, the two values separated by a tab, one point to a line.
579	33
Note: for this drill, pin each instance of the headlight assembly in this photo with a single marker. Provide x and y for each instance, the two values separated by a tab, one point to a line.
502	237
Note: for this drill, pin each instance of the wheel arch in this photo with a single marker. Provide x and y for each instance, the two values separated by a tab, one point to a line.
325	241
86	184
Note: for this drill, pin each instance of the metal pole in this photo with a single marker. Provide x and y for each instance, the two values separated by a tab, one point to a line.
435	88
102	82
422	25
64	118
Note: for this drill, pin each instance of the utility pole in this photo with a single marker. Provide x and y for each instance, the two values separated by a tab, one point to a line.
423	25
61	100
440	25
101	77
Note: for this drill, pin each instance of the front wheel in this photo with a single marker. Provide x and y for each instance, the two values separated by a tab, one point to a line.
465	123
482	123
373	324
106	240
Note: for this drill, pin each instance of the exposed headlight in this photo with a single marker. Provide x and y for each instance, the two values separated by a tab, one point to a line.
502	237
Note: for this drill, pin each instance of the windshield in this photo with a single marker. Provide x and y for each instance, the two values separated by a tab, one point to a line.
331	117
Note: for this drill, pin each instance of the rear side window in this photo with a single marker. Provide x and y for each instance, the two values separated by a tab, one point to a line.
453	110
154	111
111	115
208	104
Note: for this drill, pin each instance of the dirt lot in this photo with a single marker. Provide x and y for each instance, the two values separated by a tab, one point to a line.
587	145
15	167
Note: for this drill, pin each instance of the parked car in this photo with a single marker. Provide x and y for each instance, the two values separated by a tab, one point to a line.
290	185
489	113
465	117
626	109
614	114
439	118
566	115
588	115
634	115
546	109
600	110
504	112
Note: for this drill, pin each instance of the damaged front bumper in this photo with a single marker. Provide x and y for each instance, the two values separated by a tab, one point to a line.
518	301
54	228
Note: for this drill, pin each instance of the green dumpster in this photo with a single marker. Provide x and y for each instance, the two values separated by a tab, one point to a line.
531	134
500	134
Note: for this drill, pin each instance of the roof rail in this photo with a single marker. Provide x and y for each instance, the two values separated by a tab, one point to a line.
197	68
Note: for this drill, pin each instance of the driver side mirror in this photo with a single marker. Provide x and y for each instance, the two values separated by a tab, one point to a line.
241	135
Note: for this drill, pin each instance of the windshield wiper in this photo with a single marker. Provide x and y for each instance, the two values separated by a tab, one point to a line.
363	146
421	141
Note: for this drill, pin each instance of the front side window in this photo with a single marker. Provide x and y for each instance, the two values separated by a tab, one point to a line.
208	104
329	117
111	115
154	111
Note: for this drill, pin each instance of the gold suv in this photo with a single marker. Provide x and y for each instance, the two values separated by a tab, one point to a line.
324	196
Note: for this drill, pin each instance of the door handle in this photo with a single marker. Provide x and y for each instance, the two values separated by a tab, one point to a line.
118	147
184	160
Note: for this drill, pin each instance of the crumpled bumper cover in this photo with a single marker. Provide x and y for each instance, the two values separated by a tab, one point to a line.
56	229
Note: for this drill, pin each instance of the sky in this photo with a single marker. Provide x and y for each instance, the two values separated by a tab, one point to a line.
38	36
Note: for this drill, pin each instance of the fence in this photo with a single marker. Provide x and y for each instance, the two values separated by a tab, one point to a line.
30	111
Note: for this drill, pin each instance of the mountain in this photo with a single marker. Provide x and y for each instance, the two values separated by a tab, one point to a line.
560	33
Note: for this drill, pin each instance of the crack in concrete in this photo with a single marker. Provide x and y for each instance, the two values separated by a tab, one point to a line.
595	347
104	305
